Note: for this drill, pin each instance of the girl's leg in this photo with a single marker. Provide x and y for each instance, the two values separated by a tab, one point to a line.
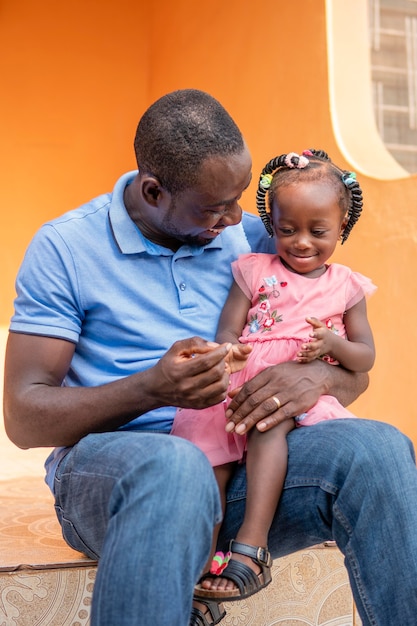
223	473
266	467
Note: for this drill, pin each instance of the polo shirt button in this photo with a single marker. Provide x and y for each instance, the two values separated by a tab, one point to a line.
182	286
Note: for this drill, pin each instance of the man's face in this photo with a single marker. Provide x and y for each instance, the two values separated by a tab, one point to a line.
199	214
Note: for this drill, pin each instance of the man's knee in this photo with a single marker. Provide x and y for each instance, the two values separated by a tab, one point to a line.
179	472
378	441
375	454
330	451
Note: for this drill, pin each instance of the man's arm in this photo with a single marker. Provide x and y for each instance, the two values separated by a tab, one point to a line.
38	411
298	386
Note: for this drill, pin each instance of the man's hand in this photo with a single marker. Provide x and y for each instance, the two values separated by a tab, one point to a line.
40	411
286	390
193	374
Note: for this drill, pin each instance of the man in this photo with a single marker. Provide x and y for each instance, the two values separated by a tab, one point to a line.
113	302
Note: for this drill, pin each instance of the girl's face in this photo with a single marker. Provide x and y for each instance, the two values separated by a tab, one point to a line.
307	221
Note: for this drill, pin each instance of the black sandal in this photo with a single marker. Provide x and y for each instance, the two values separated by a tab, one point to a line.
245	579
215	612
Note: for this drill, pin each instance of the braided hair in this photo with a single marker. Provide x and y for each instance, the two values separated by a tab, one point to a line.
285	169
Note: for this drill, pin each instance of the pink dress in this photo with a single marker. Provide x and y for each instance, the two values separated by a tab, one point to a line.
276	327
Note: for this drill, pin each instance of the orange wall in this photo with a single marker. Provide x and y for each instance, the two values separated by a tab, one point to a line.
73	78
76	77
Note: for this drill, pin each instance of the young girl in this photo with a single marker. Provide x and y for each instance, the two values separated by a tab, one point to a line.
291	306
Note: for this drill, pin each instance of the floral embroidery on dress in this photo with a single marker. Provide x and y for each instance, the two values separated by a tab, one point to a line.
331	326
265	318
271	281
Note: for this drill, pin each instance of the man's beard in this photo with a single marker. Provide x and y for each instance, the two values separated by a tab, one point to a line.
172	230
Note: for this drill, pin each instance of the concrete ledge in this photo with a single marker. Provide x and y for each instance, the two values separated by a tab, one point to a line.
44	582
30	535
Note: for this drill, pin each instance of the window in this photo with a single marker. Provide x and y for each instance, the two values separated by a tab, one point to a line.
393	48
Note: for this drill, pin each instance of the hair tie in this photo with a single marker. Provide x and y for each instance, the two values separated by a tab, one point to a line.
348	178
295	160
265	181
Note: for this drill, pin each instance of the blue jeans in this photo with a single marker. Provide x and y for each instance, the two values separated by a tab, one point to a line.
353	480
146	505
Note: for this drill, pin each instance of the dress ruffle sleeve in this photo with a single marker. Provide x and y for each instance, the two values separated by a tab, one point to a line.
360	286
242	273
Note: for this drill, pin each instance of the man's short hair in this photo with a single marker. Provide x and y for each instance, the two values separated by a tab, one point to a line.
179	132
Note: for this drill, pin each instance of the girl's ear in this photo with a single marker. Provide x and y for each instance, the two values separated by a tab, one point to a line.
343	225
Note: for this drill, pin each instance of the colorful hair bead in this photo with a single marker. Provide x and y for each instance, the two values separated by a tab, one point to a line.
348	178
265	181
303	162
295	160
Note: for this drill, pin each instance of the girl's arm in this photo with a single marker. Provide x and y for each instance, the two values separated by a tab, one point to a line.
357	353
233	317
232	321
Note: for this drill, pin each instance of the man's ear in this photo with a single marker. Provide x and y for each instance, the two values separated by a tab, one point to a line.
151	190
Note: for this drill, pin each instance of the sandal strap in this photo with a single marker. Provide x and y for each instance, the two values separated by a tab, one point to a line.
215	611
258	554
243	577
198	618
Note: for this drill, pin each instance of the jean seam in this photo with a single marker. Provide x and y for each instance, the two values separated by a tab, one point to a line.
65	525
327	487
355	571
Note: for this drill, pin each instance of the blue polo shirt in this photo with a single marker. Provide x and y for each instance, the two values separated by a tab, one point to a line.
92	278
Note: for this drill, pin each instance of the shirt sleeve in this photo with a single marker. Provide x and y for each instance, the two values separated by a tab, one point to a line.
47	301
256	234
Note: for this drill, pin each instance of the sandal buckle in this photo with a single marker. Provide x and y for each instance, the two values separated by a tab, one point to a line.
263	557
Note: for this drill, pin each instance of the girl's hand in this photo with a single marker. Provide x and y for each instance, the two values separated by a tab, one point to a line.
319	344
237	357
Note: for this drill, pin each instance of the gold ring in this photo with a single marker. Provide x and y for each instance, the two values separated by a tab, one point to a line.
277	402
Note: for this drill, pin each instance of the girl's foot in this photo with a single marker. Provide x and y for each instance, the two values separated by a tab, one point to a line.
217	582
240	577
